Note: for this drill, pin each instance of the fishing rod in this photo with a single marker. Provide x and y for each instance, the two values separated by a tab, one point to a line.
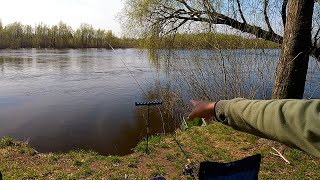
249	166
148	103
188	168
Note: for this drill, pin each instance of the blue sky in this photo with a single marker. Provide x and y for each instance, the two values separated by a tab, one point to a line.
99	13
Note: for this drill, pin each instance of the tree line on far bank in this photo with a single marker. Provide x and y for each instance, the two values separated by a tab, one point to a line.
17	35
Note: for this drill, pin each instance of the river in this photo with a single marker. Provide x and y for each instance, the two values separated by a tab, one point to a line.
61	100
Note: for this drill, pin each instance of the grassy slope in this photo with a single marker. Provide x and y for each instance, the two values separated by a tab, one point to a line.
215	142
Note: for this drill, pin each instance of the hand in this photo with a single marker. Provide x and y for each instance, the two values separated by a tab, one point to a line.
202	109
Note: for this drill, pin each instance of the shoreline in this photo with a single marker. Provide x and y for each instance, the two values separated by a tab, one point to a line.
215	142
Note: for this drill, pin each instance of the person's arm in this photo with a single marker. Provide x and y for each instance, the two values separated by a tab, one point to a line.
293	122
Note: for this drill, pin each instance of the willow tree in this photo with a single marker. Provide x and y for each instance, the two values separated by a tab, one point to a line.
291	23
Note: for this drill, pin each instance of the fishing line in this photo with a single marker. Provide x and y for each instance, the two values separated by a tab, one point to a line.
133	77
140	87
129	71
188	169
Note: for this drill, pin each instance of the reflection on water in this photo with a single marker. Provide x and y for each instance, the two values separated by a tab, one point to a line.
84	99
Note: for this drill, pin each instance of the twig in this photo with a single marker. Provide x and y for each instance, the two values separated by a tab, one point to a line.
241	14
266	18
316	39
284	12
280	155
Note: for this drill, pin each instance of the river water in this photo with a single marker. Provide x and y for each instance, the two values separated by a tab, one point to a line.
61	100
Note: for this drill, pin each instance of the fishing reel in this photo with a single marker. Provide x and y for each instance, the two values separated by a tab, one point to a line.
187	169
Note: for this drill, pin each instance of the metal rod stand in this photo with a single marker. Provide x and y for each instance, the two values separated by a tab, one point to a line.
149	103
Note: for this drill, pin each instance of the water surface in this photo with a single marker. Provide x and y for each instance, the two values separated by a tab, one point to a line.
60	100
68	99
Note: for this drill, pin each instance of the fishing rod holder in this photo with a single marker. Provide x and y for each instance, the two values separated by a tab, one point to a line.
148	103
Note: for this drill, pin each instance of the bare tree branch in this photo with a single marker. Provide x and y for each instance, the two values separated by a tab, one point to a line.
315	50
254	30
266	18
186	5
316	37
177	27
284	12
241	14
225	20
209	15
209	10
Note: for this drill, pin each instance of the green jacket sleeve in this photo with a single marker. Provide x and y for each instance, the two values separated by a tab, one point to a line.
295	123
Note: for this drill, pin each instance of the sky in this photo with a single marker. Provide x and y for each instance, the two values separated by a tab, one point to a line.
99	13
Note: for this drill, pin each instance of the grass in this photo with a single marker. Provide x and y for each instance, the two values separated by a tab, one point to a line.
215	142
6	141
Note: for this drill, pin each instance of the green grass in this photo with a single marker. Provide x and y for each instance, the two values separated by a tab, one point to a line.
158	170
215	142
132	162
170	157
155	142
115	159
27	150
6	141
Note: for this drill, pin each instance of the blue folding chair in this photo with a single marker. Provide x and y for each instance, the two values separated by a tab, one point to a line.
247	168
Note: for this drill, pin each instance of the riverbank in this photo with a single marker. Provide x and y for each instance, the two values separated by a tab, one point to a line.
215	142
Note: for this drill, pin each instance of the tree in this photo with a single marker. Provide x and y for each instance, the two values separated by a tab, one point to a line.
64	36
27	36
295	51
77	41
41	39
110	39
99	38
169	16
86	31
14	35
2	45
53	36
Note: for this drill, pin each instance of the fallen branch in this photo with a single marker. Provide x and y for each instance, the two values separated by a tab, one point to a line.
280	155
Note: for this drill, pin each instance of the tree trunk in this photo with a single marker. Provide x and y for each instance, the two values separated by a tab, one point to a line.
295	51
